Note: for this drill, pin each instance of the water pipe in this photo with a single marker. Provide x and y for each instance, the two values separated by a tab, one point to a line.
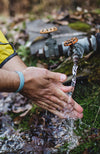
81	46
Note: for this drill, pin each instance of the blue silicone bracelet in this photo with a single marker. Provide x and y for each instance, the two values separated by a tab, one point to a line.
21	76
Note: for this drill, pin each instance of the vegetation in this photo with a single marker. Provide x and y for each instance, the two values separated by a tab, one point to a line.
12	7
89	127
87	92
81	26
96	11
25	55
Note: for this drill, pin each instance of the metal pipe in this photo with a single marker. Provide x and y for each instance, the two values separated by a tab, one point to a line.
84	45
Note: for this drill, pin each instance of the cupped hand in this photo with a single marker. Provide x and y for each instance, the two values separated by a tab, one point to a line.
46	90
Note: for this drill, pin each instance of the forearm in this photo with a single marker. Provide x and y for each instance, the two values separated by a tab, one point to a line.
9	81
14	64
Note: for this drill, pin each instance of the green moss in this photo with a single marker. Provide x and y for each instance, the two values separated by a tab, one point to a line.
96	11
88	96
81	26
33	110
24	124
50	18
89	127
89	100
91	145
65	67
3	138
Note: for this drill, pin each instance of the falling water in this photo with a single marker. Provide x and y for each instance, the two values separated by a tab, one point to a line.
56	132
64	131
73	140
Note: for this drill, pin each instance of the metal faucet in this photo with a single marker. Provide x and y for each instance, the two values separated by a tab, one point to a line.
84	45
73	47
76	50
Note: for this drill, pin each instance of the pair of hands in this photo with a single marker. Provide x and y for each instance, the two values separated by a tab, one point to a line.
46	90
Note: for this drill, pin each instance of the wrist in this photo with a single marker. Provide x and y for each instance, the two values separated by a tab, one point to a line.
9	81
21	84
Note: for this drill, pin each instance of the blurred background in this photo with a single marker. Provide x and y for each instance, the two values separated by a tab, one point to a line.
11	7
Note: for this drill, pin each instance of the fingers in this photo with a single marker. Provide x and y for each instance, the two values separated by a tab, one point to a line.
66	89
53	101
65	101
68	101
51	109
77	107
74	115
62	96
46	90
58	102
61	114
67	106
56	76
44	105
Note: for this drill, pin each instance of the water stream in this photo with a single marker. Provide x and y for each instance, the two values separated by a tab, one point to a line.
46	135
69	135
73	140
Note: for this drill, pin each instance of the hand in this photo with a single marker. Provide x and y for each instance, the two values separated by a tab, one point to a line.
46	90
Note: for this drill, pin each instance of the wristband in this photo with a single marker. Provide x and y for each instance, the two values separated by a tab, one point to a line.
21	76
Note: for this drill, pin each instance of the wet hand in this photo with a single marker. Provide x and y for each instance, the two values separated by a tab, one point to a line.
46	90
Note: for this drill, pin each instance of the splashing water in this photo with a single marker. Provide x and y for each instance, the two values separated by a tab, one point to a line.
55	132
65	128
73	140
62	130
10	140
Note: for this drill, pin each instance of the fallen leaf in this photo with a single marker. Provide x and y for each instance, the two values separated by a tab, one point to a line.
62	22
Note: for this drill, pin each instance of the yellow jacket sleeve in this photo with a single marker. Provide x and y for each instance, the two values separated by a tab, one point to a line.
6	50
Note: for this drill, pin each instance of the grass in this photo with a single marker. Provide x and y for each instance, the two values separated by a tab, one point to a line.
24	123
88	94
81	26
26	56
96	11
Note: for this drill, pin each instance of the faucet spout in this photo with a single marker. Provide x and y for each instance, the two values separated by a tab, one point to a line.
77	52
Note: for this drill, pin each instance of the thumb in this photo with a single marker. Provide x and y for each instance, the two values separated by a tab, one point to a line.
56	76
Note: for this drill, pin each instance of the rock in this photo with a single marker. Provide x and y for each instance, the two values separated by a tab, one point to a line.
63	33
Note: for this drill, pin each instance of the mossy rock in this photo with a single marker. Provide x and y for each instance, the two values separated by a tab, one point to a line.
86	67
81	26
65	67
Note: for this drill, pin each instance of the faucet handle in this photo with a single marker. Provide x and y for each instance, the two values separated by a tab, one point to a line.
71	41
48	30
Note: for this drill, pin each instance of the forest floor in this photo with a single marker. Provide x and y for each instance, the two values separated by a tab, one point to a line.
24	125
